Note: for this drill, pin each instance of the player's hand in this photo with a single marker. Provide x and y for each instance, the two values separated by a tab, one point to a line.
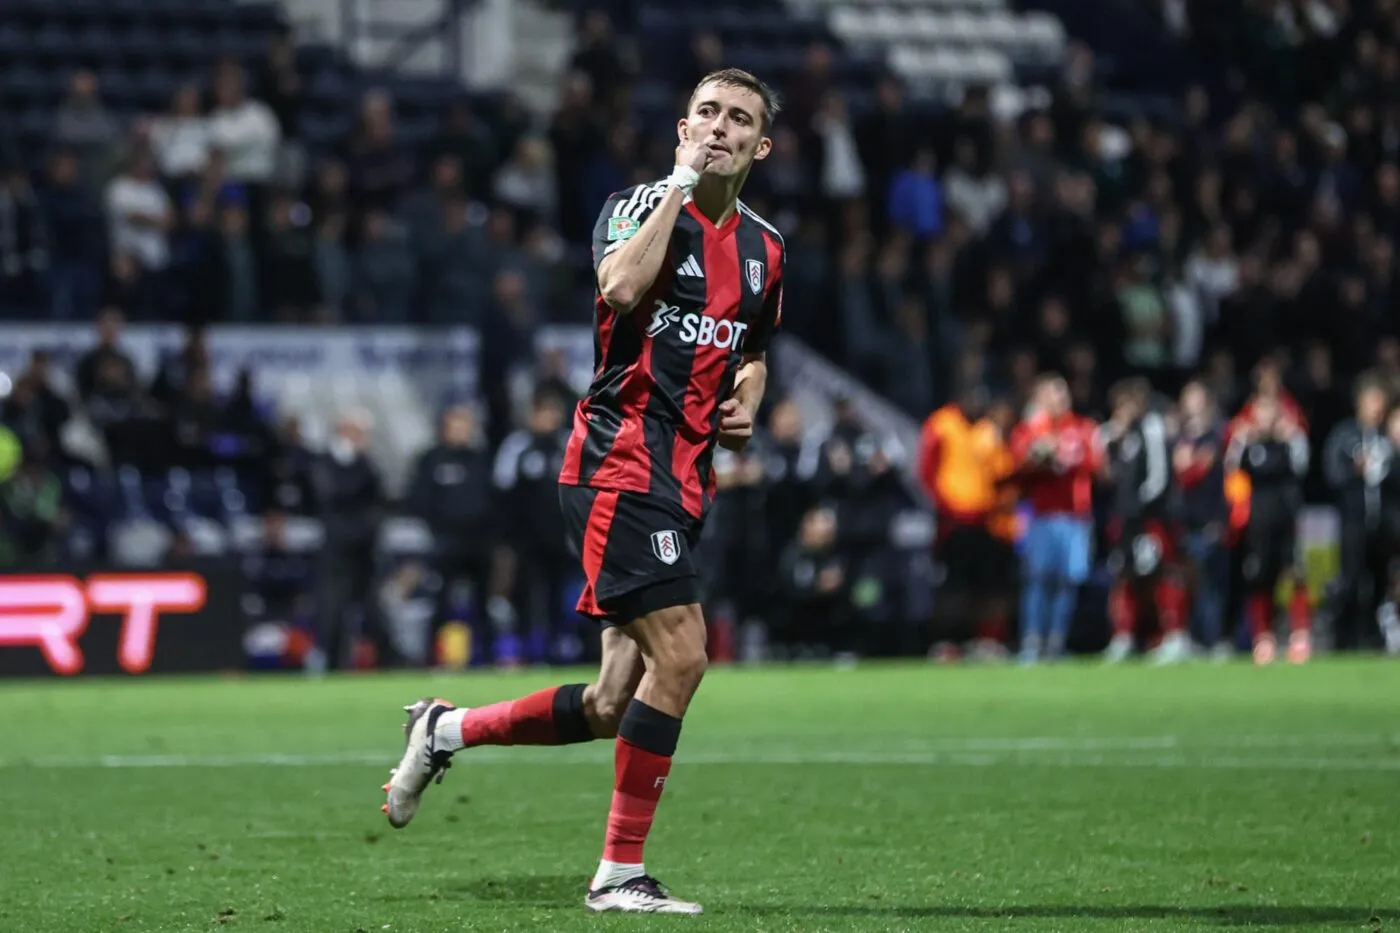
735	424
693	153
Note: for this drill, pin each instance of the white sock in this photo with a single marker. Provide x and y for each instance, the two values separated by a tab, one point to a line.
448	733
611	873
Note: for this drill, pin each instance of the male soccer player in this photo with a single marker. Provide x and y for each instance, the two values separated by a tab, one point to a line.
1356	461
1273	452
689	293
1198	460
1056	455
1143	561
963	461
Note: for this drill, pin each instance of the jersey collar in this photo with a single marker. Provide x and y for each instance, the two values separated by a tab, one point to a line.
724	229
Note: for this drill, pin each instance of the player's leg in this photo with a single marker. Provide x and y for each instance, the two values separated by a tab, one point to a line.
1036	559
1122	599
1210	586
1073	569
1261	572
562	715
1169	595
670	631
1299	603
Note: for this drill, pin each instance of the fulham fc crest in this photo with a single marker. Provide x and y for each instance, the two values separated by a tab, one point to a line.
666	546
755	270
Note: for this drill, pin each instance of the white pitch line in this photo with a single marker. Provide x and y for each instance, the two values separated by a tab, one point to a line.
978	753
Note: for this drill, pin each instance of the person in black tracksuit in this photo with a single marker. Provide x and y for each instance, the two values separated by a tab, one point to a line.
527	483
451	491
350	502
1199	464
1356	462
1388	616
1143	560
1274	453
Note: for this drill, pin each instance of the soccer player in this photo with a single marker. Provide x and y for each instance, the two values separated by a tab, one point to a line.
1143	561
1356	460
1273	452
963	461
689	294
1205	511
1056	455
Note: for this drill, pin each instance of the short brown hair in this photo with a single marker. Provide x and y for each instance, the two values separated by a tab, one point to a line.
738	77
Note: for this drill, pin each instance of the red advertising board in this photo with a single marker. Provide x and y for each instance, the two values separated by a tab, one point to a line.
114	622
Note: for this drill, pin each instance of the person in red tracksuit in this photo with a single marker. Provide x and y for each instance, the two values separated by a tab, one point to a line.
1056	455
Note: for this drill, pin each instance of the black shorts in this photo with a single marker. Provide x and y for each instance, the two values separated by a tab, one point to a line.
1270	549
1144	549
976	560
636	550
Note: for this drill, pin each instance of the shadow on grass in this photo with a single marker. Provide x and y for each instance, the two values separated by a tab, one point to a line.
1290	917
568	891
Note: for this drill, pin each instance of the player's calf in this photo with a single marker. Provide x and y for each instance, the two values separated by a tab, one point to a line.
673	642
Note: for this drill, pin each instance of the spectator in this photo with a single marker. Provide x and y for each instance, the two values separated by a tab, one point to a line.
916	198
140	214
109	329
288	267
383	271
464	138
180	139
526	182
978	198
381	169
32	516
452	492
78	249
243	129
24	242
83	124
842	174
602	57
242	290
35	412
279	82
350	498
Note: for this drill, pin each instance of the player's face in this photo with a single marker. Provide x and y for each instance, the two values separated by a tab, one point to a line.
730	120
1054	398
1370	406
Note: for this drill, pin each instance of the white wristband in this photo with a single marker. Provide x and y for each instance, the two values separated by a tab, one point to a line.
684	177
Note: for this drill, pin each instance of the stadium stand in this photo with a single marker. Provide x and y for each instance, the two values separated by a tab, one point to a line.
971	190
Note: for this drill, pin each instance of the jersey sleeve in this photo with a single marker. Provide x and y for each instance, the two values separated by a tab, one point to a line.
771	318
622	216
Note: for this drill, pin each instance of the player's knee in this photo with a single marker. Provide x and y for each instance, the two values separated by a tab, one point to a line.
604	710
676	645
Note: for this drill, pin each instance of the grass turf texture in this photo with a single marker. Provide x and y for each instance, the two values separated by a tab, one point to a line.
881	798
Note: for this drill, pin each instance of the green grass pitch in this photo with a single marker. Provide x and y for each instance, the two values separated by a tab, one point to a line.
884	798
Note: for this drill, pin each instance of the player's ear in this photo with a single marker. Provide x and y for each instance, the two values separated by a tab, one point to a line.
765	146
682	129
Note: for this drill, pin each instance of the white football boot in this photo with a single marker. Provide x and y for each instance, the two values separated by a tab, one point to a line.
640	895
422	761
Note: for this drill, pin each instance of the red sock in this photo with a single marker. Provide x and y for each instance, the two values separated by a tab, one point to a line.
1171	605
993	627
549	717
1122	609
1261	614
1299	610
639	778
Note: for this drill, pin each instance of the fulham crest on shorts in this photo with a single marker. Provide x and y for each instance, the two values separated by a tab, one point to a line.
666	545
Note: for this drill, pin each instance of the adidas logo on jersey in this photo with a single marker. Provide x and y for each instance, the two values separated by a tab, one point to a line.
691	268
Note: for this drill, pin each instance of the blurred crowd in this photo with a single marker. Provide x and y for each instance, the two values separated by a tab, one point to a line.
1240	231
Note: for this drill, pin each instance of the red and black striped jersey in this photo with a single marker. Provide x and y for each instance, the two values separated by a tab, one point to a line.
650	420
